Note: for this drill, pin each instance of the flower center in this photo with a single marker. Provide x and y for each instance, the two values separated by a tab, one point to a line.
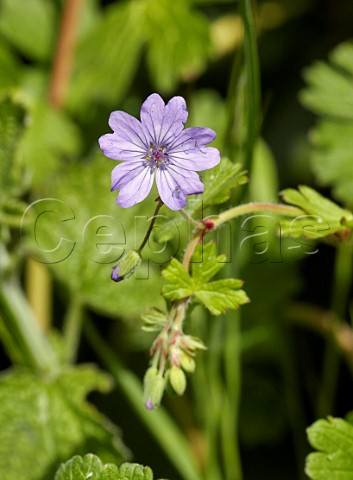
157	155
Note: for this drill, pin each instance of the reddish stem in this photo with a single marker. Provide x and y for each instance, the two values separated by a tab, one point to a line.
64	53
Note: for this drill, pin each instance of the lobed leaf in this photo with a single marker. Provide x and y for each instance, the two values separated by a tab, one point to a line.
323	217
334	440
329	83
50	420
216	296
220	295
91	467
180	284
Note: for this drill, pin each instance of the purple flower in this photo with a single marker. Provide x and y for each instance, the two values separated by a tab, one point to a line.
158	145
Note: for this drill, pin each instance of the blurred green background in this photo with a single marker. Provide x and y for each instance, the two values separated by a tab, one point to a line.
60	78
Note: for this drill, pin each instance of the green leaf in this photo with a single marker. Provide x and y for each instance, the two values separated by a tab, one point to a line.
134	471
178	42
50	137
12	126
82	234
216	296
91	467
208	108
46	421
329	83
323	217
180	284
331	158
208	264
219	183
220	295
9	68
107	56
35	38
334	440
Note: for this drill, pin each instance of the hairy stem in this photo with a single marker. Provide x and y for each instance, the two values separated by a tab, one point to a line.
253	207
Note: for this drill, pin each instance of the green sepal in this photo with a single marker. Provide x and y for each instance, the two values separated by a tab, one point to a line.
129	263
154	320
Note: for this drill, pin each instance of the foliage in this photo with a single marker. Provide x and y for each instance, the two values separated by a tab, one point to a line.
246	383
334	440
90	466
49	420
217	296
330	94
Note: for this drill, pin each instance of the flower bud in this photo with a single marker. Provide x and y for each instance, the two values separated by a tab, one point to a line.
126	267
187	363
154	385
177	379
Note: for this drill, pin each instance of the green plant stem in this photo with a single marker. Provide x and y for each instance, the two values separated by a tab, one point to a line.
189	218
343	271
158	422
72	328
150	228
253	207
252	72
230	409
23	328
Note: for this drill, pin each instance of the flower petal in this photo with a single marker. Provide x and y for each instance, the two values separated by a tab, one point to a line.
189	181
118	149
136	189
169	190
128	140
128	128
196	159
192	137
123	173
163	122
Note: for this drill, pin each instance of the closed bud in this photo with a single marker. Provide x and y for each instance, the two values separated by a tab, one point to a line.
177	380
192	343
126	267
187	363
154	385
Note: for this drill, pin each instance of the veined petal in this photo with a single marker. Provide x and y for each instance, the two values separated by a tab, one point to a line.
123	173
127	127
169	190
191	138
189	181
136	189
196	159
115	147
163	122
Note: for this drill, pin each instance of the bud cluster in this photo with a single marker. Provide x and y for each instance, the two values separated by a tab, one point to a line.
173	355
